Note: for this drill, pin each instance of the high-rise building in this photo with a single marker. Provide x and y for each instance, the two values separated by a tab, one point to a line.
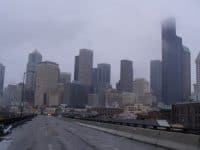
65	77
156	78
186	74
47	83
174	60
197	84
34	58
85	64
103	73
126	76
76	68
2	75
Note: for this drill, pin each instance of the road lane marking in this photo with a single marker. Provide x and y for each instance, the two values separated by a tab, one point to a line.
50	147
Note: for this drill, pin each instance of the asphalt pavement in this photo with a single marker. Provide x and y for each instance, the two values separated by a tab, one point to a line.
52	133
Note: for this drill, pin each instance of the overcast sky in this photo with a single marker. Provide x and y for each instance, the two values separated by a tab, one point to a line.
113	29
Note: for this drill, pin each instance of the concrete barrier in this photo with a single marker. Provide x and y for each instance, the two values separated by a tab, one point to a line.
169	140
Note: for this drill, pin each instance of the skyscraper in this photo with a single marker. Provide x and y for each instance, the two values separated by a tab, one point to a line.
103	73
85	64
174	60
156	78
197	85
2	74
76	68
126	76
197	61
33	59
186	73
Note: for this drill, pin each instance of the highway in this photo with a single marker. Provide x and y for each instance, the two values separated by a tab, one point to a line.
51	133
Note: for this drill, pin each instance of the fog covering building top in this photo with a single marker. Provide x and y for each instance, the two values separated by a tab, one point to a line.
34	58
175	65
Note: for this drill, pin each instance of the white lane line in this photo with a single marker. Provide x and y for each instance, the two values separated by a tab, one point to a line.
50	147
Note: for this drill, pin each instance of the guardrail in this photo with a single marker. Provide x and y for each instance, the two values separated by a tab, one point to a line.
6	124
151	124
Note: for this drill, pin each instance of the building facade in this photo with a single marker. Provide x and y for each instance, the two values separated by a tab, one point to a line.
34	58
113	98
140	87
187	114
174	62
47	79
2	75
197	84
65	77
76	68
156	78
125	83
78	94
85	66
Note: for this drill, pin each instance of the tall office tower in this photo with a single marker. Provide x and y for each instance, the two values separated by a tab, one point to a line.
65	77
47	79
103	74
197	84
126	76
173	64
76	68
85	66
2	75
33	59
156	78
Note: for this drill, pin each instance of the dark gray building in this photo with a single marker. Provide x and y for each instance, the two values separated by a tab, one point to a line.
34	58
2	75
76	68
65	77
103	73
173	64
126	76
85	66
78	94
156	78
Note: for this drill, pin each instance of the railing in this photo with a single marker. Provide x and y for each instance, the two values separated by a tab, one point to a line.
151	124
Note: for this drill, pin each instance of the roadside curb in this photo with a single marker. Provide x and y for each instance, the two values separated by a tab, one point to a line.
158	141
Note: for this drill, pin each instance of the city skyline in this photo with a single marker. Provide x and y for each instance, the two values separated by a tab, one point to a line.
91	35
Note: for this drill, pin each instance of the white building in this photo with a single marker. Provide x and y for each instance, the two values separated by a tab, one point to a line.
128	98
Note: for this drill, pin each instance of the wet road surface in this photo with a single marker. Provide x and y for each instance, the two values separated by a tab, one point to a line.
51	133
